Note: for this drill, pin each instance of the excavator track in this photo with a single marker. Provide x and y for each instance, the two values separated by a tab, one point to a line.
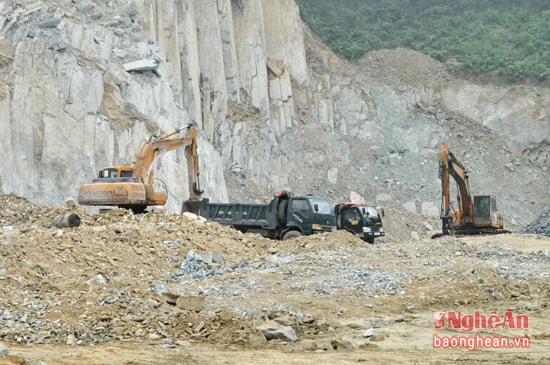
474	232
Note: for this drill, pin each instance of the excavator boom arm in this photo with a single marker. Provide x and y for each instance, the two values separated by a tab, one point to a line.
450	166
157	145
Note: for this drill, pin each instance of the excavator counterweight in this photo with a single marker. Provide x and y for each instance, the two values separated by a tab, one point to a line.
131	187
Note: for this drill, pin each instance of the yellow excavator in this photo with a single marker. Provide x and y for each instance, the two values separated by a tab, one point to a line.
131	187
474	214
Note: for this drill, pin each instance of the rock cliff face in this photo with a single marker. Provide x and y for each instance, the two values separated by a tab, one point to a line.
83	83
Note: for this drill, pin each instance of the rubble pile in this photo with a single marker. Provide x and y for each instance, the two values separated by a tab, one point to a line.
174	281
540	225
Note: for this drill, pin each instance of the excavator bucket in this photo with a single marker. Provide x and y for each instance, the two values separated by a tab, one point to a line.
192	206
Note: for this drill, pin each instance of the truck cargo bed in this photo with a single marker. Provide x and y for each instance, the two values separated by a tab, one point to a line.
239	215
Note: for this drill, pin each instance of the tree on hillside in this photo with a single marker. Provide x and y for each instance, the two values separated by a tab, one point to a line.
509	38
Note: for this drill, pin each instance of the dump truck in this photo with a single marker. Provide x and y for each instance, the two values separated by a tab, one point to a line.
131	187
360	219
286	216
473	214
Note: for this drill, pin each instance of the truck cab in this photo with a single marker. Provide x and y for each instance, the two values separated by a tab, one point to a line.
360	219
304	215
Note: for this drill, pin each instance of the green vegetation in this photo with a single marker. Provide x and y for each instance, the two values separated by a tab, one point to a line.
504	38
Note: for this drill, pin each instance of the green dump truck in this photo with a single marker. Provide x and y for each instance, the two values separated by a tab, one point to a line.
361	219
286	216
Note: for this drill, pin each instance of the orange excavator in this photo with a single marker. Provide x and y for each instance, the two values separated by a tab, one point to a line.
132	187
475	214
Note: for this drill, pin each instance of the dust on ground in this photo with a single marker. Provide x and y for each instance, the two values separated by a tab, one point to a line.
160	288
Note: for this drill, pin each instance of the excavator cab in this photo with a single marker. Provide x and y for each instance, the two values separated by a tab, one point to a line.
112	174
108	173
486	213
115	172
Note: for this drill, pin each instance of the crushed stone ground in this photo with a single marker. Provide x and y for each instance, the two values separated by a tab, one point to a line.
128	280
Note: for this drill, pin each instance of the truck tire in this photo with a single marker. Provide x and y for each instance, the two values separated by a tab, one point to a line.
291	234
281	210
369	240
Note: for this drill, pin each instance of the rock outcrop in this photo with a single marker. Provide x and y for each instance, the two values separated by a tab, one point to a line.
82	83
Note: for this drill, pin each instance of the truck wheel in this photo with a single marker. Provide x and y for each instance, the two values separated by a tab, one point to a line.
281	210
369	240
291	234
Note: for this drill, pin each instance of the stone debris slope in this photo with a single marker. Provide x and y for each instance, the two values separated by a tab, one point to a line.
173	281
540	225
